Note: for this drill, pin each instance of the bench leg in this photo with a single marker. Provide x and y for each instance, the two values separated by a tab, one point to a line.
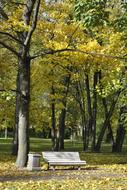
48	167
53	168
79	168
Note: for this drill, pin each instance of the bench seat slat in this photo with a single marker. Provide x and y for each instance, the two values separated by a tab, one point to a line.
67	163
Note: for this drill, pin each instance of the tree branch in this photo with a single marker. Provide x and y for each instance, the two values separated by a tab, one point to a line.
17	3
13	37
34	23
51	52
4	90
3	14
9	48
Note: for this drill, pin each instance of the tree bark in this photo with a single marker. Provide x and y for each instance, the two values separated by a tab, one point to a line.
110	136
63	114
89	105
15	138
121	131
30	19
94	111
55	140
62	128
85	126
23	125
102	132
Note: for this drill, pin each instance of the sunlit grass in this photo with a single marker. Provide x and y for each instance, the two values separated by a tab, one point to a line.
39	145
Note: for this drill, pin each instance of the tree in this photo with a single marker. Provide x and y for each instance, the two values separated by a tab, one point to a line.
23	39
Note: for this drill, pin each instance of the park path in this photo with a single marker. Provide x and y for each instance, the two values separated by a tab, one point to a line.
64	175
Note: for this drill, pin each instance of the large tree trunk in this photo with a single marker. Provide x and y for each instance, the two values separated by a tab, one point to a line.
30	20
24	93
30	17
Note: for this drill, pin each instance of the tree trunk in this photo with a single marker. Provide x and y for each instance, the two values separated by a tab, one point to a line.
55	140
94	111
85	125
109	137
62	128
5	133
15	138
30	17
30	20
63	113
102	132
117	146
89	107
85	133
110	132
24	93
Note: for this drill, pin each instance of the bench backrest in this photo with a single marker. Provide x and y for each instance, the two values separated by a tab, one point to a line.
54	156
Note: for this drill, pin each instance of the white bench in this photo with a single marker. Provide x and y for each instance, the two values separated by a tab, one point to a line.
63	159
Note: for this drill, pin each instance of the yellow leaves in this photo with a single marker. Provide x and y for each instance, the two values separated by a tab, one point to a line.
15	21
93	46
116	44
99	177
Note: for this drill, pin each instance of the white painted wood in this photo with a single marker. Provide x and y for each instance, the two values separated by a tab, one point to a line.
63	158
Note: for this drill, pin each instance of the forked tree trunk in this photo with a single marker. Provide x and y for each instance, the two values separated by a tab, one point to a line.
30	19
104	126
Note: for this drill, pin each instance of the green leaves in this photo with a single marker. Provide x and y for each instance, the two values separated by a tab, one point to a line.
91	13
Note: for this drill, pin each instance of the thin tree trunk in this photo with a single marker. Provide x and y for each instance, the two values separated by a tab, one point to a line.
63	114
89	107
62	128
15	138
104	101
94	111
110	134
5	133
81	101
55	140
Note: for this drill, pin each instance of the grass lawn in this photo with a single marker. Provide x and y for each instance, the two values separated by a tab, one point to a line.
103	170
